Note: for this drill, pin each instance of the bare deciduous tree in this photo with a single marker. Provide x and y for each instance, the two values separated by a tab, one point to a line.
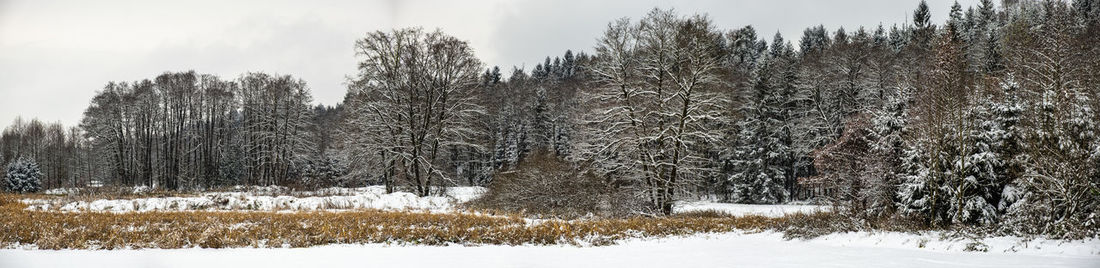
657	96
411	100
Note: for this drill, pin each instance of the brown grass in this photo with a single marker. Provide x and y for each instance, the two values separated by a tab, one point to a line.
100	230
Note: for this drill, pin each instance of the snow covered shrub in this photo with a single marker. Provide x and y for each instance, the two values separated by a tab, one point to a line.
23	177
322	172
546	184
808	226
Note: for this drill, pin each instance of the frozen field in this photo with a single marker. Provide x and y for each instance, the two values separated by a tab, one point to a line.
745	209
373	197
767	249
263	199
715	250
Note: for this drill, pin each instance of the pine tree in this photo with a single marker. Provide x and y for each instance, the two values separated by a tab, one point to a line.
974	196
758	159
541	123
889	127
985	48
915	192
941	138
568	65
921	16
955	21
1008	145
23	176
784	104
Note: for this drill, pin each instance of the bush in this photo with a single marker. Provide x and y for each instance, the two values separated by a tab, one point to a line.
322	172
548	185
23	177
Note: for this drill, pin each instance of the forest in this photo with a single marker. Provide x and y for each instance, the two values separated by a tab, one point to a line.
987	120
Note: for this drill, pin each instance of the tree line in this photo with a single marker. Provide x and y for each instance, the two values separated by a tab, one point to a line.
986	118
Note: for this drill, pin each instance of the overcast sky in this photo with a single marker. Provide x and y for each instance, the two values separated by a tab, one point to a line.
54	55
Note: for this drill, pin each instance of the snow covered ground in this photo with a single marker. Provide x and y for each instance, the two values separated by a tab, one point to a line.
767	249
714	250
373	197
745	209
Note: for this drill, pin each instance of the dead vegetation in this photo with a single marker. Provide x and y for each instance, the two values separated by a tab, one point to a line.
545	185
91	230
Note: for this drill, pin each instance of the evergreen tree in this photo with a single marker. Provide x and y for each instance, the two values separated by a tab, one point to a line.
921	16
541	123
814	40
23	176
975	191
568	65
916	192
1008	145
983	50
889	127
955	21
784	104
759	174
941	137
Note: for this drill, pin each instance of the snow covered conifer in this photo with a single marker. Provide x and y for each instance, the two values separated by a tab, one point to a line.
759	175
975	190
23	176
914	196
1008	146
888	127
323	171
921	16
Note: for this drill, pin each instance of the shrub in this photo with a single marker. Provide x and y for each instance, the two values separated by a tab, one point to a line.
545	184
320	172
23	177
709	213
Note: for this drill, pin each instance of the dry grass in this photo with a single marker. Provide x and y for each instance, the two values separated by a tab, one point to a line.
91	230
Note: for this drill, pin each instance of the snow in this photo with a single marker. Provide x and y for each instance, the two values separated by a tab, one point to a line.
62	191
141	189
373	197
275	198
747	209
766	249
465	194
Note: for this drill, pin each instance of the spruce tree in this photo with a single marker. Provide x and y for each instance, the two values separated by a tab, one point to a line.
1008	146
921	16
974	193
23	176
759	156
888	129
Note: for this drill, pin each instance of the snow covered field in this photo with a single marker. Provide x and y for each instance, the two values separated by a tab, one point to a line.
745	209
373	197
766	249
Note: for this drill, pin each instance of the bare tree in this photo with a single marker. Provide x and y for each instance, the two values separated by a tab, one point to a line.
658	93
411	100
275	115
